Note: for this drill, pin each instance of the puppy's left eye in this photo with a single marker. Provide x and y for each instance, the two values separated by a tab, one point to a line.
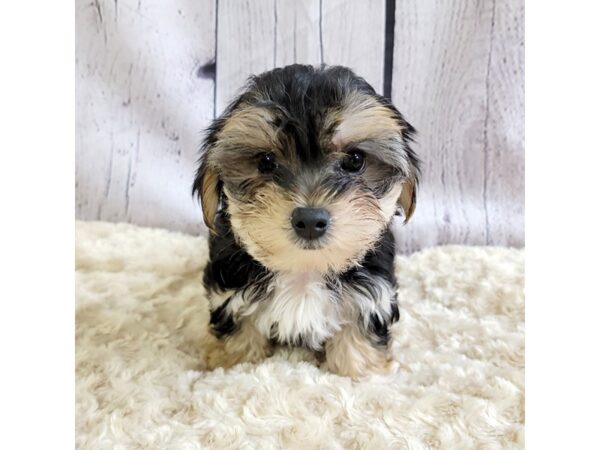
354	161
266	163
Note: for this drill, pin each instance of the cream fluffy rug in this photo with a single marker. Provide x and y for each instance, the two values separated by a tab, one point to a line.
141	315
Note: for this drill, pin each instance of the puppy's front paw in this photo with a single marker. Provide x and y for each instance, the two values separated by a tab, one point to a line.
245	345
361	369
219	356
349	353
216	356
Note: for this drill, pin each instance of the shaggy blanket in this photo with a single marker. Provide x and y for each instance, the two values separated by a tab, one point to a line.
141	315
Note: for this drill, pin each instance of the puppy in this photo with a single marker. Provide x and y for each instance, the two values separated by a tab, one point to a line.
299	180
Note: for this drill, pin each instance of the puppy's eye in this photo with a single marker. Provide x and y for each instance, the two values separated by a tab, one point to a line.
354	161
266	163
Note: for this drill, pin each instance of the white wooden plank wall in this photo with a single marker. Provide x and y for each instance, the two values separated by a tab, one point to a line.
144	89
152	74
458	78
258	35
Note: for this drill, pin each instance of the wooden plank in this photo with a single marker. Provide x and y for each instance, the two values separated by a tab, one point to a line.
297	33
245	44
504	146
353	34
440	78
145	84
254	36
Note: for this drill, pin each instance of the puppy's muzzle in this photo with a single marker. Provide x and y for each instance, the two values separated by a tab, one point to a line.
310	223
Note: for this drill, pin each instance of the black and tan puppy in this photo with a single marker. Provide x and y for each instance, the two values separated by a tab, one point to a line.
299	180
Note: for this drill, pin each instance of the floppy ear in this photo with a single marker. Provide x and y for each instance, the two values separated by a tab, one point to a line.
208	188
408	197
412	170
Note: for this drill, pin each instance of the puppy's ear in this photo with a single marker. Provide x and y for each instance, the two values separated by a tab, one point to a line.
411	167
207	186
408	197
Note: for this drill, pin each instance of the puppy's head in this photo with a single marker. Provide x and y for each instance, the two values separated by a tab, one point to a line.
310	165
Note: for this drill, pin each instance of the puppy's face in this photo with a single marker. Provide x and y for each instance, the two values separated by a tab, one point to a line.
312	165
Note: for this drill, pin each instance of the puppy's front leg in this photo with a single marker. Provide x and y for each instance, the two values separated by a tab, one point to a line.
244	344
350	353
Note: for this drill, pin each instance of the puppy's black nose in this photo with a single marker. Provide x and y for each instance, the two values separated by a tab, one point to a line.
310	223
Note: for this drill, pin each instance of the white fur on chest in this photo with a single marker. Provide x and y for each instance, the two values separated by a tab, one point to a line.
300	307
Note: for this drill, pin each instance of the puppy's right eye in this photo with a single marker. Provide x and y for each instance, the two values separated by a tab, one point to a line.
266	163
354	161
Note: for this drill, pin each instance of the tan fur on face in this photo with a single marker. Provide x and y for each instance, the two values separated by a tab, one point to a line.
363	118
263	225
366	122
249	126
349	353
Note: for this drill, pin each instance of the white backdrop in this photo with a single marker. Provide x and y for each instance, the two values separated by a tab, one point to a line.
152	74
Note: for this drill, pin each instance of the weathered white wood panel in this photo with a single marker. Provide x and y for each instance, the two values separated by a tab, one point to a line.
505	133
461	87
353	36
245	44
144	90
254	36
297	32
